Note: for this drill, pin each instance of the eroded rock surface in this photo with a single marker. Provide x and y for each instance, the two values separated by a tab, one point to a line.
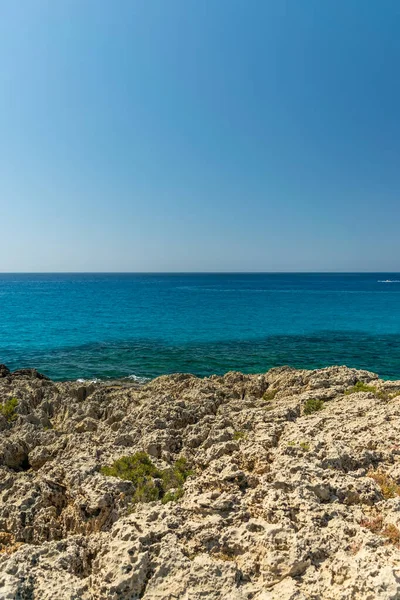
281	504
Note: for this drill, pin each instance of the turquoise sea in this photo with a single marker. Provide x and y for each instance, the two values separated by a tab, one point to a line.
72	326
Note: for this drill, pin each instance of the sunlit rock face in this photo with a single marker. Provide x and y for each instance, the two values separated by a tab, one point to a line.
293	491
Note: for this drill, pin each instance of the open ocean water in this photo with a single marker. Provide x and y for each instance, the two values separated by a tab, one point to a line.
72	326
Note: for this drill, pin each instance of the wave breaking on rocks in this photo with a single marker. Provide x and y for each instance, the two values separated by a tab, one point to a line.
283	485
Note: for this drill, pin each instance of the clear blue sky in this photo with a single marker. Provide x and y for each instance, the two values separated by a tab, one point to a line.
187	135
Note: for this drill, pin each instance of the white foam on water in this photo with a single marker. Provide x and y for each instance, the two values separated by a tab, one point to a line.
138	379
135	378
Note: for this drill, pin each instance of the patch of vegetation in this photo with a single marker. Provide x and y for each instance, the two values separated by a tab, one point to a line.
7	409
8	545
390	531
384	395
360	386
146	490
305	446
392	534
239	435
388	486
175	476
150	482
225	556
132	468
375	524
313	405
172	496
270	394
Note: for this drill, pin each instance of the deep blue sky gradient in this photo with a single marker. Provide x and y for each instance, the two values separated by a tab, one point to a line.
153	135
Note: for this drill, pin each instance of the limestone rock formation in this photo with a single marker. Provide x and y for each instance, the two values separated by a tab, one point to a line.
294	492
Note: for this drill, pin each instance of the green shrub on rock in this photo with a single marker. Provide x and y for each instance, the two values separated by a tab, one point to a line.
175	476
360	386
150	482
7	409
305	446
313	405
147	490
270	395
132	468
172	496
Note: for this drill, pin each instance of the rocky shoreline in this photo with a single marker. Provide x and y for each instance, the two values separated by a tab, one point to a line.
283	485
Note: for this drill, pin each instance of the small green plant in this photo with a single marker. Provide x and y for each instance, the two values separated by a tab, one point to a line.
305	446
174	477
150	482
172	496
313	405
7	409
385	395
132	468
146	490
360	386
270	394
239	435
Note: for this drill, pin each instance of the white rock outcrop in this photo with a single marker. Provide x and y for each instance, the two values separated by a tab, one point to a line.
281	505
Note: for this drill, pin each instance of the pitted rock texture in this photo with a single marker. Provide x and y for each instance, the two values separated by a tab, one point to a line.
280	505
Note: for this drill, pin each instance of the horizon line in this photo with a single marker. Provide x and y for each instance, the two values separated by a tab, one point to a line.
196	272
